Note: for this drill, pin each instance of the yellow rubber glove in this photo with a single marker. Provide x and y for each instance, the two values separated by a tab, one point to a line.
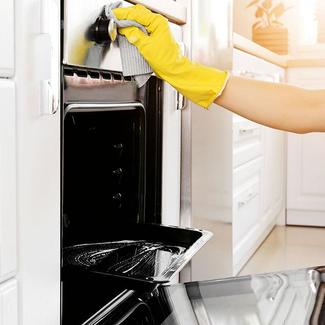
201	84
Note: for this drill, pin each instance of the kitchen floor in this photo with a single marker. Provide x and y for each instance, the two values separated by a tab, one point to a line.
288	248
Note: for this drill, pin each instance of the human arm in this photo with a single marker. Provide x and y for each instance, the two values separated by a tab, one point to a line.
279	106
275	105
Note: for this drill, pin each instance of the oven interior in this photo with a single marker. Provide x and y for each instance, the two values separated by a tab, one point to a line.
111	193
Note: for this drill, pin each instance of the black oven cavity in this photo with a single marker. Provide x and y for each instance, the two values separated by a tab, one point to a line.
115	252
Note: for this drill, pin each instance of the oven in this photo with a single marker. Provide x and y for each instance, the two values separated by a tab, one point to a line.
115	251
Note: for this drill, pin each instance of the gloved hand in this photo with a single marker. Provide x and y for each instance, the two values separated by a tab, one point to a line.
201	84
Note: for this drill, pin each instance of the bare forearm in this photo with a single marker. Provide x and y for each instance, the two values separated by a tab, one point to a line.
279	106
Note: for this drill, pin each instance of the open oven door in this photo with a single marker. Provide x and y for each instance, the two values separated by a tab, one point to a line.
292	297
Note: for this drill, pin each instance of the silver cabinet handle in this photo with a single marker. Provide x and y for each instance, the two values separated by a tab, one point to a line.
245	131
248	198
272	77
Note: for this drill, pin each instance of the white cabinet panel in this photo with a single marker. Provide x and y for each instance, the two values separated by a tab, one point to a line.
246	210
7	38
38	181
273	173
9	303
306	179
247	141
258	159
306	161
171	158
7	180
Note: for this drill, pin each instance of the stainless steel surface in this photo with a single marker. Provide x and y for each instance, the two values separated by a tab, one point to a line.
186	147
211	147
283	298
182	102
172	10
112	30
101	107
91	86
78	16
186	169
103	312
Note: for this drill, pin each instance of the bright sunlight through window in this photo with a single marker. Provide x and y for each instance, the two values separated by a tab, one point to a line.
308	22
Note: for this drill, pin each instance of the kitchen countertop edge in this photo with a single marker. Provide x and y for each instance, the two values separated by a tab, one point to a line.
284	61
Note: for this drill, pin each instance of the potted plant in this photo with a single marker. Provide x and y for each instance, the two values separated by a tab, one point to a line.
268	30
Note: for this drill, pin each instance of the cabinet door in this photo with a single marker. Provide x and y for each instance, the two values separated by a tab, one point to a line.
7	180
8	303
171	158
7	38
272	141
171	168
38	177
273	173
306	161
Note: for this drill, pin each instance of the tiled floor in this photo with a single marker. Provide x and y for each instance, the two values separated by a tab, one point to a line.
288	248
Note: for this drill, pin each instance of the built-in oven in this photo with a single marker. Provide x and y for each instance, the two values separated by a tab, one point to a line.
113	243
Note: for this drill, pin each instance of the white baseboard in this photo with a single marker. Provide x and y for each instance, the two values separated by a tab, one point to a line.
247	247
306	218
244	250
282	220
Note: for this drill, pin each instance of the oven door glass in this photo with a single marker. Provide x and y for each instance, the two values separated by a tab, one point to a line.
294	297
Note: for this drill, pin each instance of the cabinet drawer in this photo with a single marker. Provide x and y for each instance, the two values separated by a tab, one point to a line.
247	137
7	38
7	180
246	207
9	303
244	174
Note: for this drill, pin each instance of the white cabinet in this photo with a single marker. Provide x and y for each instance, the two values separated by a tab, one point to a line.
238	178
38	180
7	38
306	161
171	163
7	180
9	303
171	158
259	156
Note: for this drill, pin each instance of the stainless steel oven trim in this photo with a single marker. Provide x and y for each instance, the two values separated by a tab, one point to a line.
90	107
179	264
108	308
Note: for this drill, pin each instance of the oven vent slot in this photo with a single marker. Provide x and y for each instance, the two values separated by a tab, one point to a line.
94	74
